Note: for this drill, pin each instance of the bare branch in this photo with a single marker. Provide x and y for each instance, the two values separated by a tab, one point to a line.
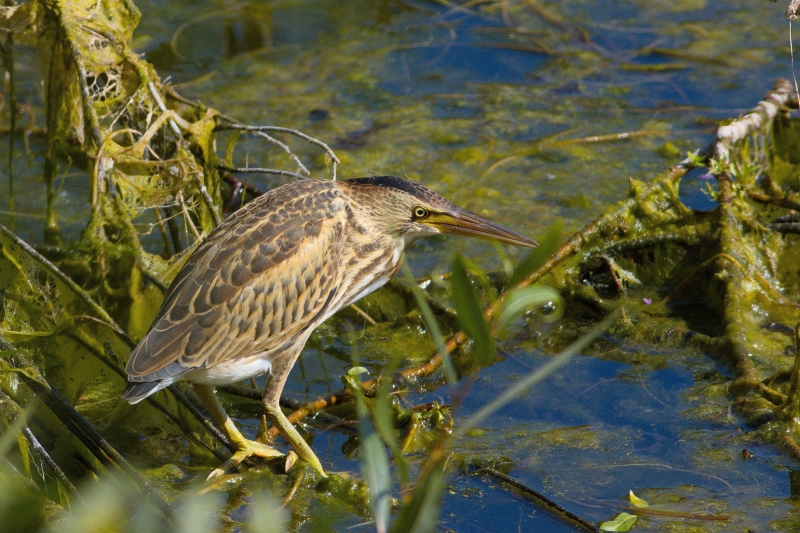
157	97
234	125
243	170
285	148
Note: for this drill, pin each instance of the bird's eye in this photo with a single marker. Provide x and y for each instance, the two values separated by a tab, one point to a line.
420	212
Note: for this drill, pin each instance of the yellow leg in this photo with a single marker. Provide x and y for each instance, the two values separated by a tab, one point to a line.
244	447
299	445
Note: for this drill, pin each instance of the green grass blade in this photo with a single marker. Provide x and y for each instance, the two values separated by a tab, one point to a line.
422	512
470	315
518	301
548	244
383	417
538	375
433	327
374	461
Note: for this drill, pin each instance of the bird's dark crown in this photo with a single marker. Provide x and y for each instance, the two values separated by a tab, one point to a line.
414	189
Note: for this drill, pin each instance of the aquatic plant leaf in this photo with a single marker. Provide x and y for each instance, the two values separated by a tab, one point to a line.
9	436
432	325
230	146
384	420
24	452
75	345
357	370
622	522
375	467
637	501
508	265
374	459
480	275
470	315
548	244
518	301
421	514
46	312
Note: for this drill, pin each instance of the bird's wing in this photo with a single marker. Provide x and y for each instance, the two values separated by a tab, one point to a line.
265	275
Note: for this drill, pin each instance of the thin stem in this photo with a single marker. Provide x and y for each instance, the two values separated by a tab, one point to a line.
234	125
244	170
39	449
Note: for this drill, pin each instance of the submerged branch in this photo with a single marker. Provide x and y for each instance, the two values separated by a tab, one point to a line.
549	506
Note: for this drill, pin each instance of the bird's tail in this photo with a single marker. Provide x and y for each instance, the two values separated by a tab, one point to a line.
136	392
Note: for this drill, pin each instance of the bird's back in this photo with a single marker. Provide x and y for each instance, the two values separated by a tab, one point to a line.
258	282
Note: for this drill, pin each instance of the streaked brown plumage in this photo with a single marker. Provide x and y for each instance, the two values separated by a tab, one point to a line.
251	294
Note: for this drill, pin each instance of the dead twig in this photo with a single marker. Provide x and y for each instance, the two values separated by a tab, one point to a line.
235	125
246	170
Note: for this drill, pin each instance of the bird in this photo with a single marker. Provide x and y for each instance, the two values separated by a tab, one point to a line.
250	295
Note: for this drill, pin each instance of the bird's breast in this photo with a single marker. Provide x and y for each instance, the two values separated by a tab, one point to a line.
366	274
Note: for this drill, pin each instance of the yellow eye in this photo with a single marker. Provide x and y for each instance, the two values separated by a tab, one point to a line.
420	212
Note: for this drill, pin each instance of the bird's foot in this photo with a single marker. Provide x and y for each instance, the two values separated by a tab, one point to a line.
244	449
299	445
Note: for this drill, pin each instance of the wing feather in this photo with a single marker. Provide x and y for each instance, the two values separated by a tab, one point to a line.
261	279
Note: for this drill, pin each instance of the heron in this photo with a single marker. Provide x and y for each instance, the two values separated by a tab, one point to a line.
251	294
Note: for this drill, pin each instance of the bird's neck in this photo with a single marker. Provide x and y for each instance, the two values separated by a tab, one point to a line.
371	256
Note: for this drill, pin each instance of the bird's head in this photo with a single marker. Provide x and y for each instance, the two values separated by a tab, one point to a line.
410	211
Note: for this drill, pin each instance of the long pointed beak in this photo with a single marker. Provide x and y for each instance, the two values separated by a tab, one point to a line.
459	222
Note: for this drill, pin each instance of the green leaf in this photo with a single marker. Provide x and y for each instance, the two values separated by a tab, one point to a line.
696	159
475	269
25	453
230	146
374	459
623	522
637	501
421	515
548	244
508	266
433	327
470	316
383	417
357	370
517	301
374	466
9	436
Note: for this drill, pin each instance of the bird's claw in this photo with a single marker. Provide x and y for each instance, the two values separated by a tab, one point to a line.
291	459
244	450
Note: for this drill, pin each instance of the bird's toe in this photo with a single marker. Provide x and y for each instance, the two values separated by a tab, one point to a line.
245	449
